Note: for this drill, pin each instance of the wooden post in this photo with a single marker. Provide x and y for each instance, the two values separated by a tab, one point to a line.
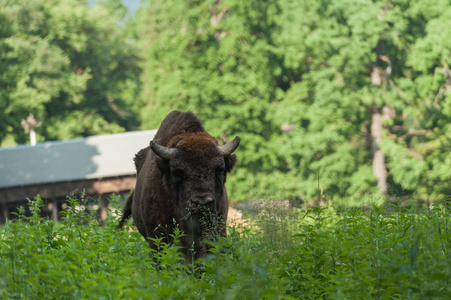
103	207
55	210
53	205
5	212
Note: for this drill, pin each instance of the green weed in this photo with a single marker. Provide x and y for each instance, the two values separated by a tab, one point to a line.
378	253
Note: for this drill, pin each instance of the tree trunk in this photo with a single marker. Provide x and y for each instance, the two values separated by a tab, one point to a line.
379	168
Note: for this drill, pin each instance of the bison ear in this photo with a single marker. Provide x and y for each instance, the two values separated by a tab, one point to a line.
163	166
230	162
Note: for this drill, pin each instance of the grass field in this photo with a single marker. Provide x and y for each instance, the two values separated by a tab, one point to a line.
381	252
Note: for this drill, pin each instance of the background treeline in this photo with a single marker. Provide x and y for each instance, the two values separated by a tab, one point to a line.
334	99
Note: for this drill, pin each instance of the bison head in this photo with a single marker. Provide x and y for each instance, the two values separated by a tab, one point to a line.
195	170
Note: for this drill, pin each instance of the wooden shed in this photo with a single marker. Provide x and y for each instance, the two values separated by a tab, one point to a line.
99	165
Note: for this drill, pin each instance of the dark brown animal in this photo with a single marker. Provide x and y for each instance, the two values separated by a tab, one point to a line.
180	182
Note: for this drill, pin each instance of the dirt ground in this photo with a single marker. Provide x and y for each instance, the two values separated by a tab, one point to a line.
235	217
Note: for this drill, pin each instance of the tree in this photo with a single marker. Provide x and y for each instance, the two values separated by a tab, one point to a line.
324	94
332	99
358	69
70	66
216	59
417	144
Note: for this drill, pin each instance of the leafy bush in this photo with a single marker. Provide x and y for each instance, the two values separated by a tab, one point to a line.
319	252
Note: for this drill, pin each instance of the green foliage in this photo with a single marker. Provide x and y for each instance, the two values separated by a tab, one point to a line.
319	252
253	68
214	59
67	64
298	81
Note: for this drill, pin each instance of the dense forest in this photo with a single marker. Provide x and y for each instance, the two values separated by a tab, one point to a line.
333	99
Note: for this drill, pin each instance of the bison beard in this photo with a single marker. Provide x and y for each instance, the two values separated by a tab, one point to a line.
180	182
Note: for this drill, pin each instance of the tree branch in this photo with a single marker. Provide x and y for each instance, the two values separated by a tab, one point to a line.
415	132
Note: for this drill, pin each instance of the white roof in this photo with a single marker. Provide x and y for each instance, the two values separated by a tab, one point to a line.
87	158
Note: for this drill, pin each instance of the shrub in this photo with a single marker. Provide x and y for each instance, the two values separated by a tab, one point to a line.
382	252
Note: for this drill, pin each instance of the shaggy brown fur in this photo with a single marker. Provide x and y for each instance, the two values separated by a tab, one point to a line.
186	191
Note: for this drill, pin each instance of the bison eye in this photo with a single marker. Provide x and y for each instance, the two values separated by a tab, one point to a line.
220	170
177	175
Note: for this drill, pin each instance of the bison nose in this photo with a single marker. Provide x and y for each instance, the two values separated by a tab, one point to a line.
202	200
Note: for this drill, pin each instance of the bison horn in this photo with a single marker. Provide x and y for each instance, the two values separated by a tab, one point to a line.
162	151
228	148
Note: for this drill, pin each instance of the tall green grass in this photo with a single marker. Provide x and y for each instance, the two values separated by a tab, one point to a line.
319	252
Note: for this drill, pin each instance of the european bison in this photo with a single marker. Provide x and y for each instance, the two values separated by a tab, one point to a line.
180	182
